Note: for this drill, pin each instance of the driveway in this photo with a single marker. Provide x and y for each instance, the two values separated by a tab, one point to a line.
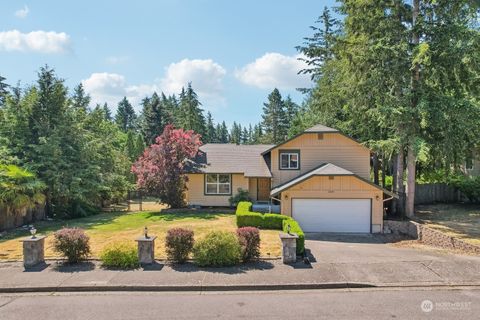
367	258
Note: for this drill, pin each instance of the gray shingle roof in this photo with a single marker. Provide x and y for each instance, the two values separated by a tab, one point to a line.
321	128
233	158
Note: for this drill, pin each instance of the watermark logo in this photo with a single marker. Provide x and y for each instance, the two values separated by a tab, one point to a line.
429	306
426	305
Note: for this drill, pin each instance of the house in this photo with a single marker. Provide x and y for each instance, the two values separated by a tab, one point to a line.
472	164
320	177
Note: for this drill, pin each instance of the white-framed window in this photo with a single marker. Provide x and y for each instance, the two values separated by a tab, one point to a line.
289	160
218	183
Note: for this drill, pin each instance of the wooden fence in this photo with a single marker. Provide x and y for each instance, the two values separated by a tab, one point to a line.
436	192
10	218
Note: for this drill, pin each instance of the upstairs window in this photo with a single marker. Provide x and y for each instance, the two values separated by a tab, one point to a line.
218	183
289	160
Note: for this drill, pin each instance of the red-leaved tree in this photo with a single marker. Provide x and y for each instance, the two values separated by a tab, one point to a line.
161	168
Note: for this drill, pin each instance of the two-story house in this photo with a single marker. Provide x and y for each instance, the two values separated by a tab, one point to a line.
320	177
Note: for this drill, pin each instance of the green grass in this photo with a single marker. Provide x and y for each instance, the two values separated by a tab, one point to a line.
112	227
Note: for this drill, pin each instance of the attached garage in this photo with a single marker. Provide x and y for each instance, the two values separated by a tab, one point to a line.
332	199
333	215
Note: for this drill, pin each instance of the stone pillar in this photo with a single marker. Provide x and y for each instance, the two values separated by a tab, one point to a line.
146	250
33	251
289	247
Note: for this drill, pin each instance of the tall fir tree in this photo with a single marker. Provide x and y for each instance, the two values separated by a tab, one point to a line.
80	99
210	130
106	112
3	90
236	133
125	117
274	118
190	113
154	118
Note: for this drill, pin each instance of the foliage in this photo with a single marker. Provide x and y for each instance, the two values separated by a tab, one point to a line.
295	228
179	244
190	115
469	186
121	256
247	218
217	249
126	119
249	238
160	170
20	188
242	195
72	243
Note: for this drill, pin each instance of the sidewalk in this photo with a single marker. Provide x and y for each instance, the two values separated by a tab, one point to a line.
264	275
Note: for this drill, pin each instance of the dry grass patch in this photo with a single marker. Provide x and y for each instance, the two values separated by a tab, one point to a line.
107	228
461	221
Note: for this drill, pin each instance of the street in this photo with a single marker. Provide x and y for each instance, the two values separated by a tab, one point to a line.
458	303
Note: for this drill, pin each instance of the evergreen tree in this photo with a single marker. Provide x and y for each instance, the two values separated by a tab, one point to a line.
154	117
125	117
274	118
291	110
236	133
190	114
210	130
3	90
221	133
80	100
245	136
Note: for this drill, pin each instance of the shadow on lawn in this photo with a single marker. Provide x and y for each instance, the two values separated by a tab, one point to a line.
179	215
242	268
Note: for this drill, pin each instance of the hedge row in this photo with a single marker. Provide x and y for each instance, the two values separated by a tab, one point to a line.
295	228
247	218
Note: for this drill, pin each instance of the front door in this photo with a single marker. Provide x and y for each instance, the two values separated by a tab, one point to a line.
263	189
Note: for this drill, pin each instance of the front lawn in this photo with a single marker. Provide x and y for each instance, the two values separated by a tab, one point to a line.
110	227
459	220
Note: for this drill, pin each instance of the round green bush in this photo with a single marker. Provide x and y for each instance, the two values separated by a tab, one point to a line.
121	256
72	243
217	249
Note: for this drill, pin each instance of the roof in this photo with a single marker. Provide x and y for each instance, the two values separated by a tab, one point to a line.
325	169
232	158
319	128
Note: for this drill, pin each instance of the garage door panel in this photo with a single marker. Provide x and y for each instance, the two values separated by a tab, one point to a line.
332	215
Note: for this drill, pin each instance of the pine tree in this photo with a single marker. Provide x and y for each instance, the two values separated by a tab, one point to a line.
170	105
107	113
245	136
125	117
130	150
221	133
190	114
3	90
291	110
210	130
236	133
154	117
80	99
274	118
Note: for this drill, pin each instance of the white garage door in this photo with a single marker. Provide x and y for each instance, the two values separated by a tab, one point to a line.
332	215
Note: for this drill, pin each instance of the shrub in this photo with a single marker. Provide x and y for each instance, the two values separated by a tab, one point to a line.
242	195
249	239
295	228
179	244
247	218
72	243
468	186
120	255
217	249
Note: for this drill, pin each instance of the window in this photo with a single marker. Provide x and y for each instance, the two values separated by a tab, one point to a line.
469	162
289	160
218	183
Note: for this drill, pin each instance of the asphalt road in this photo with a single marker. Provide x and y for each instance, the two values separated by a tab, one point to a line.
320	304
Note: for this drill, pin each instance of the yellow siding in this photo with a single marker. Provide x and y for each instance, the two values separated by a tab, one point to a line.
334	148
195	190
252	188
338	188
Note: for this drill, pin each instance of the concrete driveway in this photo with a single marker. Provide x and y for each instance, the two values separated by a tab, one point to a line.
367	258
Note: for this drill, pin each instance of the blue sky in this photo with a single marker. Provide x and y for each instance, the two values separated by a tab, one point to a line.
233	52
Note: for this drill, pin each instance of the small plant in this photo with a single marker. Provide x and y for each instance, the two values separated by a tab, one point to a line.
72	243
242	195
249	238
217	249
120	255
179	244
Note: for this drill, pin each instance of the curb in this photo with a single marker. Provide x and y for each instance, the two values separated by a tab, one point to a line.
247	287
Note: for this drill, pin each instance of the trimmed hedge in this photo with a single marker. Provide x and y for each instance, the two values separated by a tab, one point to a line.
247	218
295	228
275	221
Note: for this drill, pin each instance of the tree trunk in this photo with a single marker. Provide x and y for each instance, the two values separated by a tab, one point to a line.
394	184
384	169
400	203
375	168
411	167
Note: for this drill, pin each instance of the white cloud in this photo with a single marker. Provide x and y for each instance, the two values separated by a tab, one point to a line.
36	41
116	59
22	13
206	77
274	70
